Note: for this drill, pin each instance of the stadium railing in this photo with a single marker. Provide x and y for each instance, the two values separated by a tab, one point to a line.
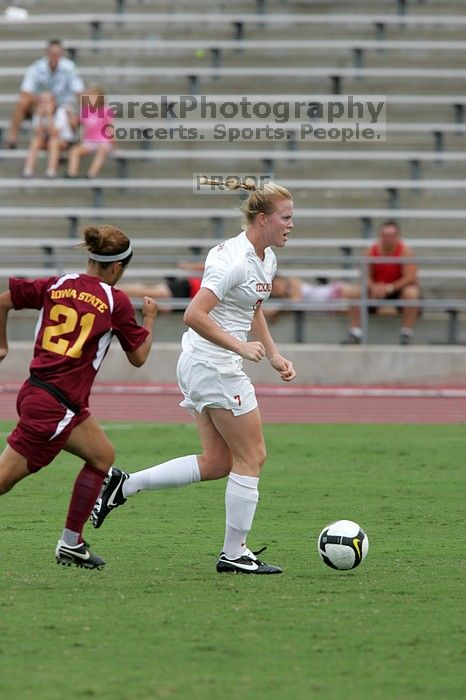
239	21
194	242
456	101
194	74
217	216
269	158
392	187
357	47
290	133
262	6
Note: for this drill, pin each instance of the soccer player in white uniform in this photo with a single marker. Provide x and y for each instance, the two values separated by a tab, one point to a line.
237	278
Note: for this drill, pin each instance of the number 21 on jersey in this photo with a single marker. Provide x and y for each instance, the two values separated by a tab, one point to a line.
68	320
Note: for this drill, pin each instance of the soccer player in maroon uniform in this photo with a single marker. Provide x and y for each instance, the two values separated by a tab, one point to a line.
79	315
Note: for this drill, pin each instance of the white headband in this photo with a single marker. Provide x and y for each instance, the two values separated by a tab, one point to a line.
111	258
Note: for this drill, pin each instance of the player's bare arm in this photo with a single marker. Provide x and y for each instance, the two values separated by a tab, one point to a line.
149	311
260	331
5	306
197	317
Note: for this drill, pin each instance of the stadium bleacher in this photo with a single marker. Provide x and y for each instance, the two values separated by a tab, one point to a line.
414	56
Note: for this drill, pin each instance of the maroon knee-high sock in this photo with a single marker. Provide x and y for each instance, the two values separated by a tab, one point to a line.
85	492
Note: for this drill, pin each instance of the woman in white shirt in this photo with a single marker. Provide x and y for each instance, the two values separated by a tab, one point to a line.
237	278
52	131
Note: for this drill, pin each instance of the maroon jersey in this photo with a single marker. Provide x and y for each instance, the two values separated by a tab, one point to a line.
79	314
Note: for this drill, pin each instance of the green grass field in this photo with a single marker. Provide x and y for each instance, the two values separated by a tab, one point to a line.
158	622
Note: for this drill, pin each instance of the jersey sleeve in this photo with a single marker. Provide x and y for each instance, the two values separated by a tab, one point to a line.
128	331
28	294
221	272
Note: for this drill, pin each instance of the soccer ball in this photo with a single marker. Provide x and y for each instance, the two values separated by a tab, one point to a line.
343	545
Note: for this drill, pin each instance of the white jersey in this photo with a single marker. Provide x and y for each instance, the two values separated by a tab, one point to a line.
241	281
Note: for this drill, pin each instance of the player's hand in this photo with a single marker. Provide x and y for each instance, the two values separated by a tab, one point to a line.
284	367
252	350
3	353
149	307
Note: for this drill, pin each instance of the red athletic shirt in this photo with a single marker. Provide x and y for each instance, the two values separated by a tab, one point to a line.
79	314
386	272
194	285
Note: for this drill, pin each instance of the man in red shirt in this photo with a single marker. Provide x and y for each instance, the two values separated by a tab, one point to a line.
390	280
80	313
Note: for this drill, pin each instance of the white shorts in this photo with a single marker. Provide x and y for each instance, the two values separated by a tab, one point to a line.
208	385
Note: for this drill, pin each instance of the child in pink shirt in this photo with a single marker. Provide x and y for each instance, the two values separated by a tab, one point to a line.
95	120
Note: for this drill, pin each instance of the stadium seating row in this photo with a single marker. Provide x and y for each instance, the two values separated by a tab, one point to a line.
269	158
217	48
98	186
416	54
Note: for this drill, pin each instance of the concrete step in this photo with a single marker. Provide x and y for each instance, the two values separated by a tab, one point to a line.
315	364
317	328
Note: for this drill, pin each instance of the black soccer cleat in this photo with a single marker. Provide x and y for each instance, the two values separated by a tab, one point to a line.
247	563
79	555
111	495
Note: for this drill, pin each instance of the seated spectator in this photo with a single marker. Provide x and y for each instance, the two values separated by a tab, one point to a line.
290	288
52	73
296	289
94	119
51	131
390	280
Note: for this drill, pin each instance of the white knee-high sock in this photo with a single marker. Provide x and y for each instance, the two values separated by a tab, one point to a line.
176	472
241	498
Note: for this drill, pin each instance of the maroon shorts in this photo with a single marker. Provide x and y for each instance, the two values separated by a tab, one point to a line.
44	426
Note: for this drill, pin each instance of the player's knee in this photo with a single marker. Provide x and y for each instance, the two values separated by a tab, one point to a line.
255	460
108	457
261	455
104	458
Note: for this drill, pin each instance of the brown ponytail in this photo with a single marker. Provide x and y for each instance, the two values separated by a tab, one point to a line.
106	240
261	200
231	183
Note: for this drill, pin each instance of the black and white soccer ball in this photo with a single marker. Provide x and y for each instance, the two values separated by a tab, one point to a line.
343	545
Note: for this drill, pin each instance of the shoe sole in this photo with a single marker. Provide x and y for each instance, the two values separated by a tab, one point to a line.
257	572
68	561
